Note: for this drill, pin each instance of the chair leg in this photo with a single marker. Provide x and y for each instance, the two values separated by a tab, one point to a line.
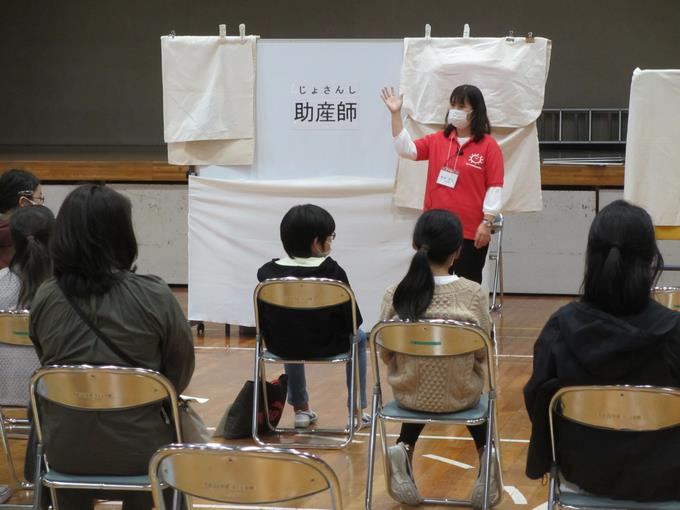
352	424
489	454
37	478
55	501
357	389
371	447
256	396
386	461
552	489
4	440
176	500
500	267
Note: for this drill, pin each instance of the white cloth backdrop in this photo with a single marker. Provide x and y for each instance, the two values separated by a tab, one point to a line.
234	229
652	175
208	94
512	78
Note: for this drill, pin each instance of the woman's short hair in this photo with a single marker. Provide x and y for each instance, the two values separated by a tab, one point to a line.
623	261
12	183
301	225
31	228
93	240
438	234
479	123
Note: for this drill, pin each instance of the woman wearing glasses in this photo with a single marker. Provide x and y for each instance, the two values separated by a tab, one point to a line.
18	188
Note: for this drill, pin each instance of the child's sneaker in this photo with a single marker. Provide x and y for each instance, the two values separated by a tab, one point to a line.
402	485
304	419
364	422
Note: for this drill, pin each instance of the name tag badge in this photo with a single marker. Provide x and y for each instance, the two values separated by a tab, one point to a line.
447	177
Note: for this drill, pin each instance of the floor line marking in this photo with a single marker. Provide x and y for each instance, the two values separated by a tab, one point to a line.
213	505
327	437
448	461
542	506
516	495
223	348
448	438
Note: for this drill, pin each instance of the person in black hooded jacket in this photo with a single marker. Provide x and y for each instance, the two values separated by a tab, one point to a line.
616	334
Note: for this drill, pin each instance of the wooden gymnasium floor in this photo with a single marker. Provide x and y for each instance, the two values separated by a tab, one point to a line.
445	461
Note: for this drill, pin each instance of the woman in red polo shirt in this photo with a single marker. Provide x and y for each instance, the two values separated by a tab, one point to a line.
464	172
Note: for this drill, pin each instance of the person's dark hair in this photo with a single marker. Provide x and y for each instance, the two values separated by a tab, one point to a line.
31	228
93	240
623	261
437	235
13	182
301	225
479	123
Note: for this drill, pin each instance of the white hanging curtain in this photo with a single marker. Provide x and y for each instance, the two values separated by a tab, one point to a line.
652	175
511	75
208	99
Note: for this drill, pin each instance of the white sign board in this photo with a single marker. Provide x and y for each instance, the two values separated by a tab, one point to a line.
318	110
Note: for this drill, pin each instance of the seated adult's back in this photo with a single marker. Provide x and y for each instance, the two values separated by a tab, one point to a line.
137	314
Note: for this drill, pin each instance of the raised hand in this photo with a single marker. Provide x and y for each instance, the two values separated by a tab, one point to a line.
391	99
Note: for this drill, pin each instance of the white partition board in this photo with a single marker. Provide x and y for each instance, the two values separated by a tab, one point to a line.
159	216
544	252
286	150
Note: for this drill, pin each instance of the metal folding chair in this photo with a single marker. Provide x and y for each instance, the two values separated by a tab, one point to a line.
90	388
305	294
630	408
497	256
248	476
667	296
431	338
18	362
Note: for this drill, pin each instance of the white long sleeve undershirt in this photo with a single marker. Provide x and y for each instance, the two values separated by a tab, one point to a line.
493	200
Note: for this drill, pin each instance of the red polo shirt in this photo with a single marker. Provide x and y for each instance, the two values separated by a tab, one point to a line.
479	166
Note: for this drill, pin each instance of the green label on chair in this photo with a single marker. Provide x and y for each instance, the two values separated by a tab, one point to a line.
424	342
20	333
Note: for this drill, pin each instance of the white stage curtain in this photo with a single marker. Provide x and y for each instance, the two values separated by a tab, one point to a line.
234	229
652	174
208	99
512	78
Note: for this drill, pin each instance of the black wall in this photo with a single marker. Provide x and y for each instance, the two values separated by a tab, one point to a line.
87	72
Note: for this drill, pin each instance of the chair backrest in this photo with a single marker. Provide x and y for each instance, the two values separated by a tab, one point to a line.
89	388
303	294
242	475
667	296
623	408
433	337
14	327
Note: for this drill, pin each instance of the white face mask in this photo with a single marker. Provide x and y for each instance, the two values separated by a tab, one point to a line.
459	118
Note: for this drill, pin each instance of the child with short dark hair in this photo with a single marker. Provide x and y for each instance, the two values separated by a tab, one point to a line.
307	233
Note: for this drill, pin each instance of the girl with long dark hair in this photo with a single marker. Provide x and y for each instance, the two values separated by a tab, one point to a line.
464	173
615	334
428	291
